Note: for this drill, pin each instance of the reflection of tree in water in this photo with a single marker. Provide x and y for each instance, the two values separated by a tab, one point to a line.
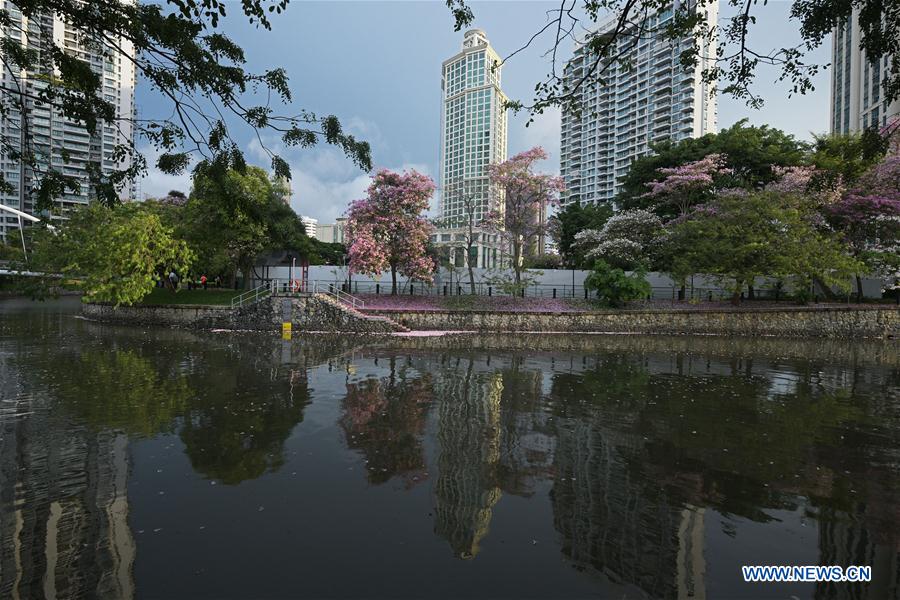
235	415
122	390
385	420
234	434
469	440
641	441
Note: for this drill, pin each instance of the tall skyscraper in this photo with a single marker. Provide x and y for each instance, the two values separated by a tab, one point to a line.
44	129
857	96
473	135
646	97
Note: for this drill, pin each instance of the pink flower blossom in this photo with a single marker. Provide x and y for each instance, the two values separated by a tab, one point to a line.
388	231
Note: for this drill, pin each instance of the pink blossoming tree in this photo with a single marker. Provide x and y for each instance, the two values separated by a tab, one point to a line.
868	218
687	185
806	182
388	231
526	197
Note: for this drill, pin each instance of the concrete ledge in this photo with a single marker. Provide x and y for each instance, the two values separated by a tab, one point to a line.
855	322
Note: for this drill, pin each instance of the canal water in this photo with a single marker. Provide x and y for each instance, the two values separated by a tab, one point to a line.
155	463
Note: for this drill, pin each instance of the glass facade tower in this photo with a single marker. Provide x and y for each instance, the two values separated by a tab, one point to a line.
473	135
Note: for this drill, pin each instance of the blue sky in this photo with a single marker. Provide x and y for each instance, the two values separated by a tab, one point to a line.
376	65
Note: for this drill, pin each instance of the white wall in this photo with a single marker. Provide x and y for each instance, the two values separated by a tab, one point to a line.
546	280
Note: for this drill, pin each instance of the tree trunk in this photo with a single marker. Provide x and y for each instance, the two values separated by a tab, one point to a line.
517	261
393	280
471	272
859	288
826	290
736	294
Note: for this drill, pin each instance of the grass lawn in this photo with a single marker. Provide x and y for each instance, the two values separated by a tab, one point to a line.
186	296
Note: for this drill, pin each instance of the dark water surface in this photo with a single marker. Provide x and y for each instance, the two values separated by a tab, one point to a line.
169	464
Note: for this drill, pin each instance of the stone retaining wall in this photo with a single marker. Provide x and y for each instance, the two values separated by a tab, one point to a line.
314	314
175	315
880	352
808	322
308	313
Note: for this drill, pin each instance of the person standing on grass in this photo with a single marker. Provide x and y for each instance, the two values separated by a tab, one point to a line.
203	281
173	279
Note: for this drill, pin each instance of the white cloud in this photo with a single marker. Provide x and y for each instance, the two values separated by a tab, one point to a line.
323	199
323	180
543	131
156	183
324	196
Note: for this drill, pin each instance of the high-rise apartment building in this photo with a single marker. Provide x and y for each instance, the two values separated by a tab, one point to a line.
59	143
473	135
646	97
310	225
857	95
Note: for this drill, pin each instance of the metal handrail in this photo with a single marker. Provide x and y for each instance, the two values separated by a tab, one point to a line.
251	296
339	295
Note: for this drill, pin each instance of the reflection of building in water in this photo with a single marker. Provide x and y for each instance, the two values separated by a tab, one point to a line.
611	521
527	441
844	540
691	562
63	529
469	441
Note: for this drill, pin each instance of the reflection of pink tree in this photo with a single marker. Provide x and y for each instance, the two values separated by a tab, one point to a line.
385	420
387	230
526	198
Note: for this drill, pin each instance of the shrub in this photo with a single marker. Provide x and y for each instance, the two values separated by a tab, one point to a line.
614	287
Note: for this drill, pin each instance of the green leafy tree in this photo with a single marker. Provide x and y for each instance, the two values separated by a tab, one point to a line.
113	254
326	253
233	217
614	287
738	238
572	220
750	154
543	261
841	159
179	51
